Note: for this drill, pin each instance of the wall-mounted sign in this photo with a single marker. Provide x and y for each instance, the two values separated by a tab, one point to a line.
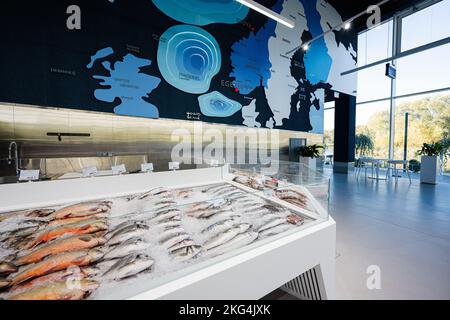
391	71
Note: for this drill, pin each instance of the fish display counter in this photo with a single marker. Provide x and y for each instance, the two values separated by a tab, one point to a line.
211	233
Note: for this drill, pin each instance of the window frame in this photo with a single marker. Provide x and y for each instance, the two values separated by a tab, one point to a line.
397	54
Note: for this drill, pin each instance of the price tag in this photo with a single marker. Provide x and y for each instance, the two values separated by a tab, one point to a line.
174	165
117	170
89	171
147	167
29	175
214	163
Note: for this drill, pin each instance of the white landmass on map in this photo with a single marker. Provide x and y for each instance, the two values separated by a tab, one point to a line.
316	116
278	97
249	114
342	58
270	123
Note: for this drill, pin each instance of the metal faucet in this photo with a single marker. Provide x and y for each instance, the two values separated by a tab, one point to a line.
16	155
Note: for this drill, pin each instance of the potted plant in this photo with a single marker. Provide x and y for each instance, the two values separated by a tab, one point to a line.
414	165
363	144
429	168
309	154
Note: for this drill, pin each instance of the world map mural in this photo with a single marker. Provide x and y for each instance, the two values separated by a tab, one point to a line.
209	60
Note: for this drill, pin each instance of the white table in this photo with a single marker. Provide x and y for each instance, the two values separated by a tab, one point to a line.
392	165
376	163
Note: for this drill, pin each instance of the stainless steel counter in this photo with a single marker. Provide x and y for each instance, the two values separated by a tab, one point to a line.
108	139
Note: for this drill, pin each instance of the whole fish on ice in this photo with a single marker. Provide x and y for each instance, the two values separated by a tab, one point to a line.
130	246
170	232
181	244
175	239
59	246
226	236
221	225
129	266
164	215
129	232
78	228
271	224
240	240
276	230
56	263
82	210
7	268
185	253
80	273
58	291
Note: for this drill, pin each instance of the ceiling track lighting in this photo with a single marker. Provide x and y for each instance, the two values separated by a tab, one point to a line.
268	13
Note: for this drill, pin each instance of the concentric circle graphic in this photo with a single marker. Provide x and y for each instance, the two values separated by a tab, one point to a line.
215	104
203	12
188	58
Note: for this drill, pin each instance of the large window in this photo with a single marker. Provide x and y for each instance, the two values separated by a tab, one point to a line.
428	121
424	71
373	84
421	87
375	44
427	25
328	137
372	120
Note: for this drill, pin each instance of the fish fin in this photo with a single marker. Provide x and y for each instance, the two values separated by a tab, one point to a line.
32	244
53	269
119	264
86	227
86	238
4	284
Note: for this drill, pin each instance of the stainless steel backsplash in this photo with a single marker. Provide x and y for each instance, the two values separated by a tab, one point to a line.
113	139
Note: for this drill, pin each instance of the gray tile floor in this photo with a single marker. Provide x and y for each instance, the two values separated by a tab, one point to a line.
401	228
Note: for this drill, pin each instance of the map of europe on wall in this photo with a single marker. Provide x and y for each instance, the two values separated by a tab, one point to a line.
210	60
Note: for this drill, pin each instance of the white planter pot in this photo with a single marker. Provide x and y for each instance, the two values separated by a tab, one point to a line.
311	163
429	169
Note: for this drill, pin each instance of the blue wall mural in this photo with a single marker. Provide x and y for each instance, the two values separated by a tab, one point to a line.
203	12
215	59
188	58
